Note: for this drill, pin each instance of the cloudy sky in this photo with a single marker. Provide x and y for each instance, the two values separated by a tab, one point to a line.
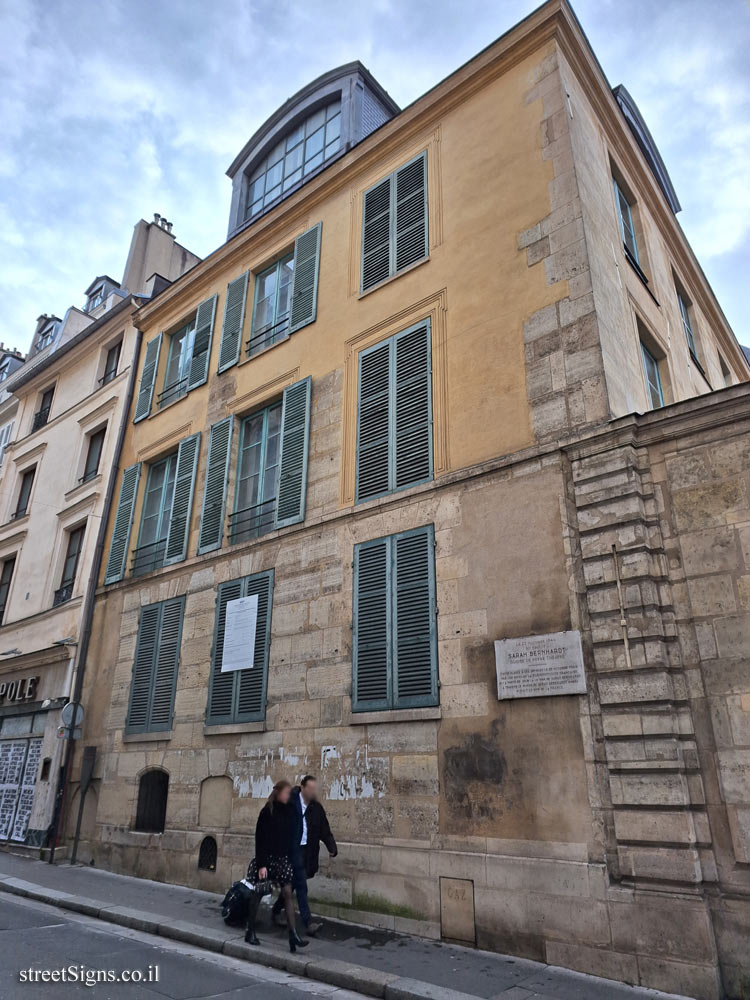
115	109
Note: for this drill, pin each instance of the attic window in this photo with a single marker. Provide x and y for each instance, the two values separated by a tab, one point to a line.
298	154
45	338
95	299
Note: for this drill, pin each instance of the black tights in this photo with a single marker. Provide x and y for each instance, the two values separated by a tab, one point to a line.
286	897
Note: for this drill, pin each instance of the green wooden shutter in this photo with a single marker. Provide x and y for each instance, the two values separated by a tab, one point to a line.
204	332
182	501
414	631
305	281
215	491
240	695
148	378
234	318
251	684
118	547
157	655
143	668
376	234
167	659
372	651
412	406
295	432
410	229
373	422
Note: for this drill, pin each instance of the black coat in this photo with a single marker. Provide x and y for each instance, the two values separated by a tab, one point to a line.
317	830
275	833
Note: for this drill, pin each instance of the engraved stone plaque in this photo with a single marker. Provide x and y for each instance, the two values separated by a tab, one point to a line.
537	666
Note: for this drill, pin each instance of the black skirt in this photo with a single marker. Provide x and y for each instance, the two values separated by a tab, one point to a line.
280	870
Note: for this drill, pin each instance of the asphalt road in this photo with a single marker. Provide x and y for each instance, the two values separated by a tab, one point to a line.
35	937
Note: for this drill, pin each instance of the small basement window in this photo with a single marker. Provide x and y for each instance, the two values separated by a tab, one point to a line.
207	855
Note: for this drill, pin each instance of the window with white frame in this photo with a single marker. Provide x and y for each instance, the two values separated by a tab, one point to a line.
627	225
93	454
111	362
6	577
73	548
653	378
686	316
5	433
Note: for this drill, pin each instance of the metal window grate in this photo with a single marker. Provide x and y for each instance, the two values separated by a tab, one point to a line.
207	855
40	418
62	595
148	557
252	521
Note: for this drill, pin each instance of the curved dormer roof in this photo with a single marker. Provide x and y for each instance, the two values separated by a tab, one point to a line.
647	145
319	123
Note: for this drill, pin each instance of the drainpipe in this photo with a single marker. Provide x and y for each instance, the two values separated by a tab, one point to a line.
88	604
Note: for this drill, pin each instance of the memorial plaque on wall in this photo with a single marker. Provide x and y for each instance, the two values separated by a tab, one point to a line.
537	666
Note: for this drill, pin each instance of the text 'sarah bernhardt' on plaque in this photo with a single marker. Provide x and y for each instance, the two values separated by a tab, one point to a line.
536	666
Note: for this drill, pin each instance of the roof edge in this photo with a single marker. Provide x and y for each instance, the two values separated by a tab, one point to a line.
21	377
325	78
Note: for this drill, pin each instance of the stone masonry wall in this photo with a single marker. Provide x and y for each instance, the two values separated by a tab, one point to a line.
663	500
603	833
565	381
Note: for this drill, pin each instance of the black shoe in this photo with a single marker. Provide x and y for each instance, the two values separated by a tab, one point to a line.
295	942
252	913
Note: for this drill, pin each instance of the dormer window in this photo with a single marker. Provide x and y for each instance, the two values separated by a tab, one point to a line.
45	338
4	369
95	299
302	151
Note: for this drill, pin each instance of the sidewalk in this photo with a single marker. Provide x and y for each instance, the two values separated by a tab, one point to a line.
370	961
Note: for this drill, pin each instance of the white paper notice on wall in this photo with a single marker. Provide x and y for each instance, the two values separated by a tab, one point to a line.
239	634
537	666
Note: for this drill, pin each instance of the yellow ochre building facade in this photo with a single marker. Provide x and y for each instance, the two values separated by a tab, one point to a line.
455	377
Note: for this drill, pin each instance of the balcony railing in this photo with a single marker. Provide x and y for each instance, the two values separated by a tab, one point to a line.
147	558
40	419
107	377
62	595
171	392
91	474
252	521
268	335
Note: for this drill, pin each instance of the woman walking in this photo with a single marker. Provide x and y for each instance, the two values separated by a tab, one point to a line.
274	846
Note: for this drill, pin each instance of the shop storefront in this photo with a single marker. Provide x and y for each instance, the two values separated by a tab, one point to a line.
30	750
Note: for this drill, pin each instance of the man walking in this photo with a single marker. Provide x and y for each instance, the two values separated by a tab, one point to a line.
312	827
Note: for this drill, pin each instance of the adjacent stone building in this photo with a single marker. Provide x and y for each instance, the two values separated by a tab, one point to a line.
67	403
462	381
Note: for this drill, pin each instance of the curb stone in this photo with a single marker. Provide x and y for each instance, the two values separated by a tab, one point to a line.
371	982
414	989
360	978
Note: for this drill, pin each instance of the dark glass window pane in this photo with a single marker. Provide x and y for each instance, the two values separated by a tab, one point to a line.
151	813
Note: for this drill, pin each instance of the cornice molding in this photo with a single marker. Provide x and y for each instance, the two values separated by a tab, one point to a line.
153	448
